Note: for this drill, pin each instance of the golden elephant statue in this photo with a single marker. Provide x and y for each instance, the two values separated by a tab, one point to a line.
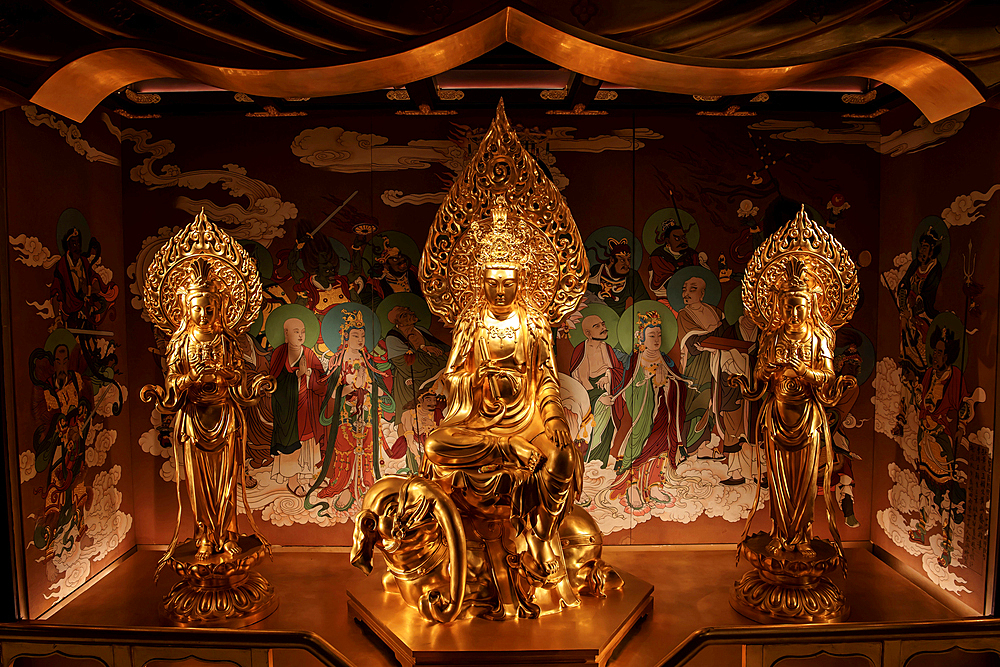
419	531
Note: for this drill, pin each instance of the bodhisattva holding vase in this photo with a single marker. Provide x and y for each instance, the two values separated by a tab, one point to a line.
500	473
800	286
203	288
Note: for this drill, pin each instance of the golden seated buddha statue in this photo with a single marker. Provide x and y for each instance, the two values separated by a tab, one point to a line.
503	264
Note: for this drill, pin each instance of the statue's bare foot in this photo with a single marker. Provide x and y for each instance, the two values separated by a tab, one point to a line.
204	551
541	550
806	550
775	546
231	547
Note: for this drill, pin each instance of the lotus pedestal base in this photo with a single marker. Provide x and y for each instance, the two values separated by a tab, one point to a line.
583	635
218	592
789	587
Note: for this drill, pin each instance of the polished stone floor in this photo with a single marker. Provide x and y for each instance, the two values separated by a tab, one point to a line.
691	592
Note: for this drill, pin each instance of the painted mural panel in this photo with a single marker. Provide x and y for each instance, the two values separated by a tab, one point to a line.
336	209
937	368
66	271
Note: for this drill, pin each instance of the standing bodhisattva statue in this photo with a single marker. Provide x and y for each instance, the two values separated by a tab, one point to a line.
203	289
503	264
799	287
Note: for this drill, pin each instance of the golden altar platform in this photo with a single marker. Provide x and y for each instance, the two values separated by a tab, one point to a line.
584	635
692	590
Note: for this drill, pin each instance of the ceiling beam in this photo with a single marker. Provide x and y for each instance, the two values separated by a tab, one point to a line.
935	82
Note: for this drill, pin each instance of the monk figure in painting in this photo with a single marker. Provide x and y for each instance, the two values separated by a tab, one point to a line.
504	409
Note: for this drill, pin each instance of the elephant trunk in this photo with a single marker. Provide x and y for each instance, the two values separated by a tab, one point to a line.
433	604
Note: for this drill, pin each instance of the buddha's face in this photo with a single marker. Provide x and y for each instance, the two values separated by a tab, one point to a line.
795	310
204	311
500	288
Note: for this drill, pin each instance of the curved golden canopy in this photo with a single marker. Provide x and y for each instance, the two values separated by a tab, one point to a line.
832	273
230	266
503	175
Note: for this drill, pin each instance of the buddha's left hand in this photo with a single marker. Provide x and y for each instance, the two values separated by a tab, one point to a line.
558	432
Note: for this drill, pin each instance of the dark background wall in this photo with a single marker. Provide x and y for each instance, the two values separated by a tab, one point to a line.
69	352
728	181
934	423
620	175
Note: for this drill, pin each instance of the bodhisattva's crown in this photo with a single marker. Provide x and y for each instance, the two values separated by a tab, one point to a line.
502	243
352	320
644	320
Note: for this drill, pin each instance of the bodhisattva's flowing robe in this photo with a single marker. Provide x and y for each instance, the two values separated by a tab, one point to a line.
497	405
208	426
792	426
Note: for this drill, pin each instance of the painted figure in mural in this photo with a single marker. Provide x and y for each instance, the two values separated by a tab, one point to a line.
672	253
416	356
736	414
352	408
915	297
420	417
83	296
846	364
503	391
796	367
392	272
63	406
206	392
296	437
648	413
613	280
696	321
943	418
596	365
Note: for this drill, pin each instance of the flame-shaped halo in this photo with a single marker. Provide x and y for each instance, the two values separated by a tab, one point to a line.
230	265
554	277
830	267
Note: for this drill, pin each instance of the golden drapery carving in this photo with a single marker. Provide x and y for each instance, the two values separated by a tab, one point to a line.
204	290
503	263
799	287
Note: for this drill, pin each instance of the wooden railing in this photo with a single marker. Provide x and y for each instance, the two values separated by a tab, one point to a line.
884	644
134	647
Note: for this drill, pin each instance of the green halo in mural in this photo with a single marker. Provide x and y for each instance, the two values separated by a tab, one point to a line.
932	222
335	317
950	322
866	349
597	245
655	221
713	290
60	337
69	219
610	318
412	301
733	307
626	327
263	259
274	327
